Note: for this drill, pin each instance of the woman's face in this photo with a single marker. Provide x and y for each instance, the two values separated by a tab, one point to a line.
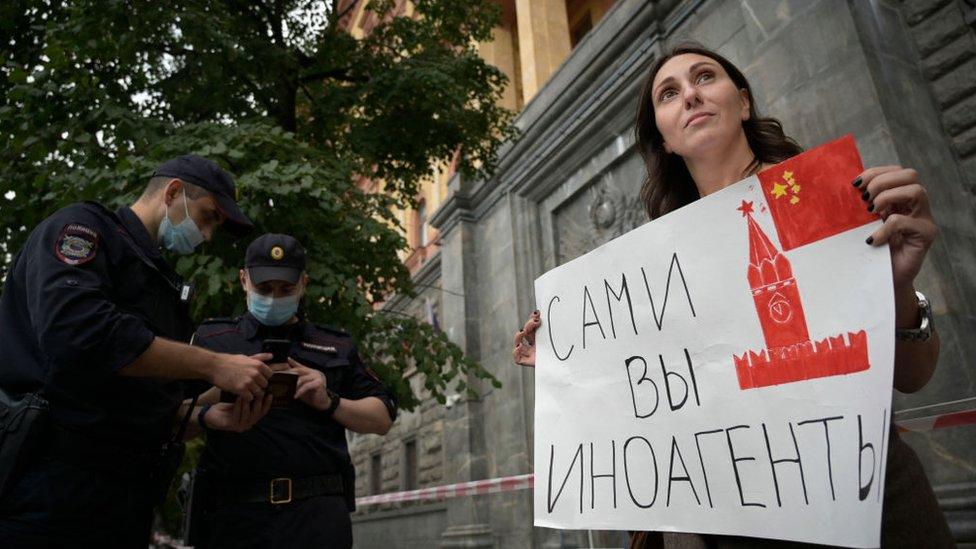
697	107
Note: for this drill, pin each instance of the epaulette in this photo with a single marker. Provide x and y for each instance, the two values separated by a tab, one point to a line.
331	329
100	208
220	320
216	326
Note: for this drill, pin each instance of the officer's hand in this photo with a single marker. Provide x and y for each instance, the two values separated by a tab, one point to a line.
239	416
312	386
245	376
280	367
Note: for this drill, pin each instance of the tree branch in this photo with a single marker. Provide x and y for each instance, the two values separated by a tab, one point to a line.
261	24
279	23
304	61
305	90
269	15
335	74
255	89
176	50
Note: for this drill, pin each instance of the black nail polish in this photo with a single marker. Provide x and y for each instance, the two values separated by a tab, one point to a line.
865	195
870	240
870	207
857	182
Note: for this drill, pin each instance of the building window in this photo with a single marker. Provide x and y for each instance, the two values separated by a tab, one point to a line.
376	474
410	465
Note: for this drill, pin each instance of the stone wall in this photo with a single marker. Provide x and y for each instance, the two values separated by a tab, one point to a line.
945	59
947	48
423	523
824	68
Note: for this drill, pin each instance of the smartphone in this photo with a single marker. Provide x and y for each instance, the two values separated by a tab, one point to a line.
277	347
281	387
282	384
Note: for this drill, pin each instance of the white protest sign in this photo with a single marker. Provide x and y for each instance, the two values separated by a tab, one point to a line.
724	369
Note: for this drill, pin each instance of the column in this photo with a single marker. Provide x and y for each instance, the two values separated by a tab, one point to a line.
543	41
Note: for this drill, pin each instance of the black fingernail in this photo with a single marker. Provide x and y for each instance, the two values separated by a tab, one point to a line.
857	182
535	312
870	240
870	207
865	195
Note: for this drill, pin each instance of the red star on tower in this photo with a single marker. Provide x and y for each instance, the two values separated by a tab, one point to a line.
745	208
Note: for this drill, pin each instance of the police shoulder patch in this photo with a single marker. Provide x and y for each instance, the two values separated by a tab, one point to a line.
77	244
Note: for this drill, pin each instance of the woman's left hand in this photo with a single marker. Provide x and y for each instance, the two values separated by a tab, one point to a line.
896	194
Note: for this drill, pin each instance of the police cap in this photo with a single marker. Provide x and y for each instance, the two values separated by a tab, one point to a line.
274	257
208	175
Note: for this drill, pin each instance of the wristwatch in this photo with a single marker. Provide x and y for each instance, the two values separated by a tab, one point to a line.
925	329
333	401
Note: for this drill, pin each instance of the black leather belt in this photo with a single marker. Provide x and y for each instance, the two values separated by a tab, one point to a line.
278	491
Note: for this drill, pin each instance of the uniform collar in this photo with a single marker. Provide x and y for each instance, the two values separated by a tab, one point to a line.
252	329
138	231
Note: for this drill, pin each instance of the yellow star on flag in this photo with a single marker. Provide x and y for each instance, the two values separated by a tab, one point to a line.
787	175
779	190
794	200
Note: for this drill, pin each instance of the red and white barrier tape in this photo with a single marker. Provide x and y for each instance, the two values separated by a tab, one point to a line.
435	493
941	421
524	482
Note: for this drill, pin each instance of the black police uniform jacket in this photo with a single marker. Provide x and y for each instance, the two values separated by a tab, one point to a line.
296	441
85	297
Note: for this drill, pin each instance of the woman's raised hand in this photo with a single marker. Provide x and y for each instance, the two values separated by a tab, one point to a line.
524	346
896	194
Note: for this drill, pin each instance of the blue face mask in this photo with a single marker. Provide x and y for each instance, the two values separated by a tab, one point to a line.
272	311
180	239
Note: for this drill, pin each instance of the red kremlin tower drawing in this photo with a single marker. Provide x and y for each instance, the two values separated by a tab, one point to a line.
789	355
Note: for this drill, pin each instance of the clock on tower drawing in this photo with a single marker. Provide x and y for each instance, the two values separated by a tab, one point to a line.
822	207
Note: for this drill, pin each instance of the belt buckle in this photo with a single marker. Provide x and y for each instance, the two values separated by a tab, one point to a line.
272	497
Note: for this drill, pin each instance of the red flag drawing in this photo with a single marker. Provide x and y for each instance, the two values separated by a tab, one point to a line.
789	355
811	197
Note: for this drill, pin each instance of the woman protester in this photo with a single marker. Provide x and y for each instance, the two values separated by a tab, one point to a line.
698	131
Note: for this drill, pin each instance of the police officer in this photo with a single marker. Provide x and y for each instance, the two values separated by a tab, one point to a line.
92	318
288	481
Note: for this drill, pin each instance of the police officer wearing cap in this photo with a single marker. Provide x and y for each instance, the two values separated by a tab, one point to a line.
288	481
94	325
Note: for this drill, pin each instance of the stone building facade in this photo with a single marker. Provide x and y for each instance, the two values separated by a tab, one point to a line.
900	76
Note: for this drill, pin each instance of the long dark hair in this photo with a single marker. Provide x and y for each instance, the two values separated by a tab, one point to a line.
668	184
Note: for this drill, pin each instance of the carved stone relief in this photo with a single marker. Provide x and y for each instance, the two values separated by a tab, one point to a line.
606	209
